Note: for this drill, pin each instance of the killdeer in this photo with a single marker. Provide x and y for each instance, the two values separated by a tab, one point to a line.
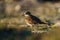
32	20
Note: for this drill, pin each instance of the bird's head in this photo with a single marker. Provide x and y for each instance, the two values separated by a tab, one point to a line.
27	13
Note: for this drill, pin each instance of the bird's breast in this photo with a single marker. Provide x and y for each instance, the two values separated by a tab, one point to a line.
29	20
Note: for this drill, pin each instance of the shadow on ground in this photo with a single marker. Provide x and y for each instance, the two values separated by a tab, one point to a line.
23	34
12	34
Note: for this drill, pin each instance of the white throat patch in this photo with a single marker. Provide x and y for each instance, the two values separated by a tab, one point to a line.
26	15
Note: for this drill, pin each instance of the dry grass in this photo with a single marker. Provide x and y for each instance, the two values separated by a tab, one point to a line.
13	27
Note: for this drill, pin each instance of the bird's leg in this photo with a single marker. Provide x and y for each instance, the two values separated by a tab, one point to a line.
30	26
34	27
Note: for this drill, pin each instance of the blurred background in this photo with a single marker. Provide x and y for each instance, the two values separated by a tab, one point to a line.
11	19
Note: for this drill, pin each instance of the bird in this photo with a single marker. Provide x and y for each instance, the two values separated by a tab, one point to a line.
32	20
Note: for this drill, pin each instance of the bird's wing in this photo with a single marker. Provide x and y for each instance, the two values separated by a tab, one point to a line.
37	20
